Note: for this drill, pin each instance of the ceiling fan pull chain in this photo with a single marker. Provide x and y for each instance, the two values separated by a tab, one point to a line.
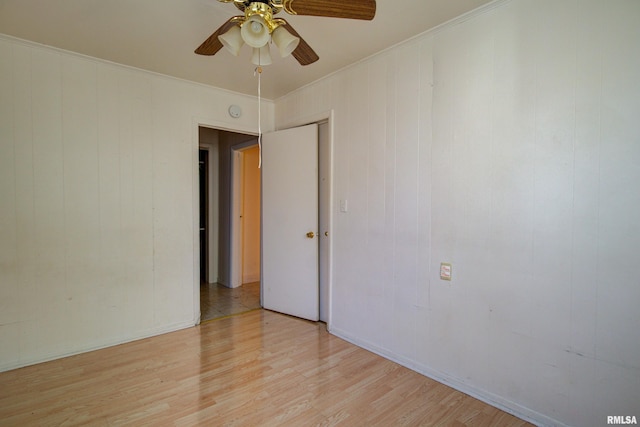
258	71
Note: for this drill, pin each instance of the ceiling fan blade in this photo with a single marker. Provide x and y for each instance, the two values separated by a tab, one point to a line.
303	53
351	9
212	45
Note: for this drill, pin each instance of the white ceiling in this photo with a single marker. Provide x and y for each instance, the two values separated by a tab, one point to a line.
161	35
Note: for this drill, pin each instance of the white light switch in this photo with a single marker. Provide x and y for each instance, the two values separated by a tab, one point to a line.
344	207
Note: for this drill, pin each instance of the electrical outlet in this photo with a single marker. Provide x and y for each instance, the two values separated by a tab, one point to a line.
445	271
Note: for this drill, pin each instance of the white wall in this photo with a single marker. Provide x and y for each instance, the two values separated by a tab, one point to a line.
506	143
98	185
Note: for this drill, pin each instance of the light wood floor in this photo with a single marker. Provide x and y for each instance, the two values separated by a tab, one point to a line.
255	369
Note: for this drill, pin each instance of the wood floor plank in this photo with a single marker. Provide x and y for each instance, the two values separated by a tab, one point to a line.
256	368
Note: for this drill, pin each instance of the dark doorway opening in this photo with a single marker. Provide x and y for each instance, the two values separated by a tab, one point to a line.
204	190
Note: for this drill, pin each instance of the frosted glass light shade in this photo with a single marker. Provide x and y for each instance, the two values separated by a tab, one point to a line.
232	40
285	41
254	31
261	55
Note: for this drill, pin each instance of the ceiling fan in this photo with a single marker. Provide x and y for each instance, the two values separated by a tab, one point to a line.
257	27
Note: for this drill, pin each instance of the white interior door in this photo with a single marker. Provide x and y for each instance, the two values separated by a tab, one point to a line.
290	222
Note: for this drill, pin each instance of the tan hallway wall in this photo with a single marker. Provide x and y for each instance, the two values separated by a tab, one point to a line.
251	217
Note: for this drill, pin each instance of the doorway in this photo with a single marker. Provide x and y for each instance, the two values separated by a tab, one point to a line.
219	267
217	296
203	157
246	206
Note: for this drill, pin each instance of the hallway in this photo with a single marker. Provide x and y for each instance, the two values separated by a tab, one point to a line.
219	301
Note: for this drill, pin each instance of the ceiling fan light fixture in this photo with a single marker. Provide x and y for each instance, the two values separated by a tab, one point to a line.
258	25
255	32
232	40
285	41
261	55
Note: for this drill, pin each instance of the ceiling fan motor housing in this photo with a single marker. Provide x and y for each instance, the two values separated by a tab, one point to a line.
275	5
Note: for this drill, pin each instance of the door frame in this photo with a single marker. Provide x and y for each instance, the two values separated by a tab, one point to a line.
325	116
197	123
327	273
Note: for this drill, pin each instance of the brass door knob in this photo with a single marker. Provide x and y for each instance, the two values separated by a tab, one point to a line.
311	234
